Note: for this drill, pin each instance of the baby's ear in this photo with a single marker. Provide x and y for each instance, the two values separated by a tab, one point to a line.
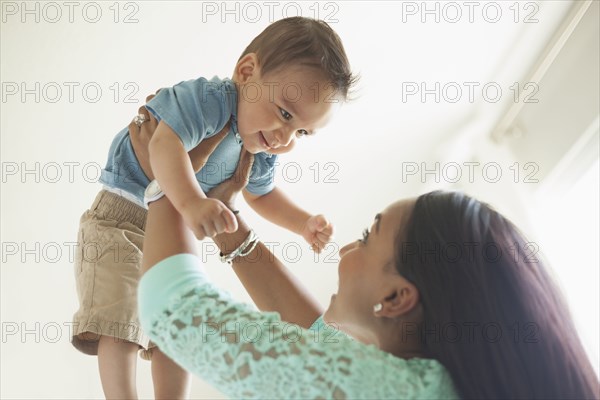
246	67
284	149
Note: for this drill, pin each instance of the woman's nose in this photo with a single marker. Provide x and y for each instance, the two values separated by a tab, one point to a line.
346	248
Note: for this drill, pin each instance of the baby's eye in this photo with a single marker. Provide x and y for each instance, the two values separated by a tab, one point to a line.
365	236
301	132
286	115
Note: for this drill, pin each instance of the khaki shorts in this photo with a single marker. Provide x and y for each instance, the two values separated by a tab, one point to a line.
107	271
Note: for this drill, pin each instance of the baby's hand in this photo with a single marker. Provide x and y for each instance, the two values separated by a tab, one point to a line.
317	232
209	217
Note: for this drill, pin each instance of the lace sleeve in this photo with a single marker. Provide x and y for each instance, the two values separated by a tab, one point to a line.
250	354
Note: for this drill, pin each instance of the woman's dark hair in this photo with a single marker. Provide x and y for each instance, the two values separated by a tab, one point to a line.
492	314
304	41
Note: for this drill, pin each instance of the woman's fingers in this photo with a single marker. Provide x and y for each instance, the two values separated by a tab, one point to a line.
140	138
241	176
151	96
227	190
245	166
199	154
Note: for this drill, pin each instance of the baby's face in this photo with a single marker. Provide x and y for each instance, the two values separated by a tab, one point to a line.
276	109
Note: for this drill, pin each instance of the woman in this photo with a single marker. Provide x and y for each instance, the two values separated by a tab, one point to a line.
441	295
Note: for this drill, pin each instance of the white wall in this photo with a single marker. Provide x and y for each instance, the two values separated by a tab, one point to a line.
369	145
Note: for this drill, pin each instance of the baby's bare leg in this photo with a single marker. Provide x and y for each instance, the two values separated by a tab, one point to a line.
170	380
117	363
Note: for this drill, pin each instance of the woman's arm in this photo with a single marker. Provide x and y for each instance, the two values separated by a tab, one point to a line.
242	352
269	283
166	234
255	355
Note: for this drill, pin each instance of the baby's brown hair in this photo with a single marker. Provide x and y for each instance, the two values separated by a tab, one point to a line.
307	42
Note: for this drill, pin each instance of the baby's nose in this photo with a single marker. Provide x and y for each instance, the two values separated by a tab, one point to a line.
284	136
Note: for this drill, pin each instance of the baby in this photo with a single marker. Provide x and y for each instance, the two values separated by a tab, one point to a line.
284	87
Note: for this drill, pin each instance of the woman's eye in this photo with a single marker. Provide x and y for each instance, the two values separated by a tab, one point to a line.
365	236
286	115
301	132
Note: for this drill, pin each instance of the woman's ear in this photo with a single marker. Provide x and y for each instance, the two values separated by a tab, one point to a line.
401	300
246	68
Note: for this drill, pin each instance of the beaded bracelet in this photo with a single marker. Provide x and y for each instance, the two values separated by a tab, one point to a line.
243	250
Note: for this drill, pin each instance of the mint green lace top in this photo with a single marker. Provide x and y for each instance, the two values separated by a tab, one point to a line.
250	354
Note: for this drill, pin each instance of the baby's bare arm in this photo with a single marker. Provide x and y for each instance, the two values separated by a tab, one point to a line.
162	156
173	169
281	210
278	208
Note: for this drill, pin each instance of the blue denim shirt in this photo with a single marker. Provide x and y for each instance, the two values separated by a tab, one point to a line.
195	110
